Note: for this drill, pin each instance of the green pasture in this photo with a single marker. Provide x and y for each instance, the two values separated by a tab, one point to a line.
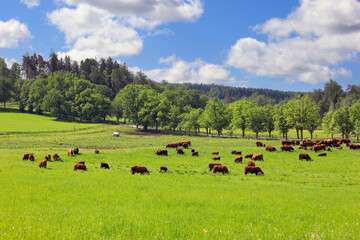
293	200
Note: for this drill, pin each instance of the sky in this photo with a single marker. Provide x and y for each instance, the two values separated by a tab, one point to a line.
291	45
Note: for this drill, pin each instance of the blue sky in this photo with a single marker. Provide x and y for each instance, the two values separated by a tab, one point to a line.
279	44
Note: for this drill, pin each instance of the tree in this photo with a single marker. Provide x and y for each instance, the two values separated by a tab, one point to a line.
333	92
355	117
240	114
117	107
328	123
257	120
269	119
343	121
219	115
6	83
281	121
191	119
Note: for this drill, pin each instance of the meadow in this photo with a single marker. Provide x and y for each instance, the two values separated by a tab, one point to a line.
293	200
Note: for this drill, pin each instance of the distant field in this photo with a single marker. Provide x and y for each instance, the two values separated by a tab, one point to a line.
25	122
293	200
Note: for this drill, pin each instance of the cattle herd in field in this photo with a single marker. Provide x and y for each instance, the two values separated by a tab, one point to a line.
315	146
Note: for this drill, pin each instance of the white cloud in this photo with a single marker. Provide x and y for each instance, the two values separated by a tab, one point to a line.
10	62
12	32
307	46
198	71
31	3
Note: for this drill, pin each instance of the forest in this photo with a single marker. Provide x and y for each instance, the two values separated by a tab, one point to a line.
96	90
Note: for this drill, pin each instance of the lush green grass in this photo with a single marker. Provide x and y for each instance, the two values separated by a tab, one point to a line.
293	200
11	122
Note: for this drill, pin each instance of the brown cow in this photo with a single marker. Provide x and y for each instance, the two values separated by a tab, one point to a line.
319	147
139	169
55	156
161	152
96	151
70	152
48	157
179	151
163	168
211	165
172	145
287	142
104	165
220	168
80	166
238	159
270	149
304	156
42	164
344	140
185	145
287	148
253	169
260	144
237	153
188	143
354	146
256	157
215	153
195	154
216	158
249	156
302	147
251	163
322	155
29	156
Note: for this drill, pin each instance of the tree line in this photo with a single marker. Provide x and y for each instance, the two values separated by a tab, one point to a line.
94	90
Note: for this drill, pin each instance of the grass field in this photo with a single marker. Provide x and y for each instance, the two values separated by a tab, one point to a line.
293	200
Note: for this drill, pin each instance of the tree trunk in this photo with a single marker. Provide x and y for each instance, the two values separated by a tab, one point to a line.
269	134
357	137
156	125
117	121
301	132
257	134
243	132
297	133
311	134
286	135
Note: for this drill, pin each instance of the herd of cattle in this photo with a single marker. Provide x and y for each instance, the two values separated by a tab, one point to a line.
319	144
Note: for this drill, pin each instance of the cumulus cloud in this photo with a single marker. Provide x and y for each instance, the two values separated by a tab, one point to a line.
198	71
307	46
12	32
31	3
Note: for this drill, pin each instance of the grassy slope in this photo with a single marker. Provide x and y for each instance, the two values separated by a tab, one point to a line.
294	200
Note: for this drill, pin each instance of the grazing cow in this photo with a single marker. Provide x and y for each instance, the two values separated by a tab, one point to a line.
249	156
302	147
48	157
253	169
179	151
185	145
260	144
287	148
42	164
237	153
256	157
286	142
104	165
319	147
163	168
76	150
233	151
216	158
251	163
29	156
70	152
354	146
172	145
308	143
339	147
344	140
215	153
322	155
139	169
304	156
195	154
238	159
211	165
270	149
161	152
188	143
80	166
297	142
55	156
96	151
220	168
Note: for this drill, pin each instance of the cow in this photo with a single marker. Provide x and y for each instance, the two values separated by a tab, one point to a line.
354	146
80	166
302	147
179	151
319	147
253	169
172	145
188	143
96	151
220	168
163	168
251	163
216	158
192	150
29	156
249	156
304	156
238	159
55	156
185	145
76	150
48	157
322	155
139	169
215	153
233	151
260	144
104	165
237	153
339	147
256	157
308	143
195	154
70	152
287	142
211	165
161	152
344	140
297	142
270	149
43	163
287	148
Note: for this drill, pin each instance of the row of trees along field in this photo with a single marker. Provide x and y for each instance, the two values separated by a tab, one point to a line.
94	90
